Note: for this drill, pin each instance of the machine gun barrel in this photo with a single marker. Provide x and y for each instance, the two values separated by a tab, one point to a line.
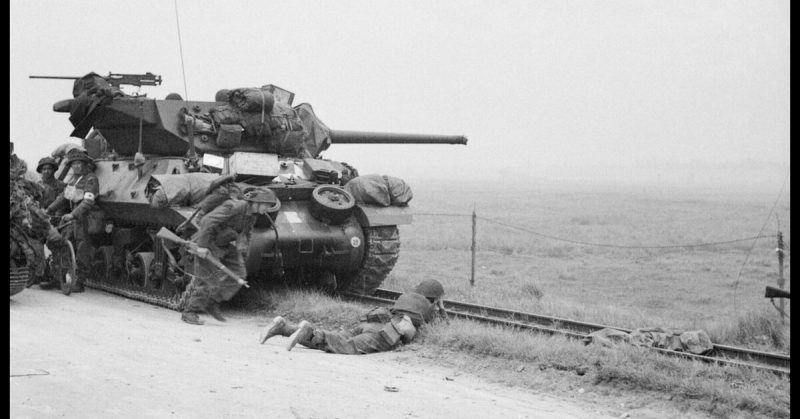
54	77
146	79
363	137
773	292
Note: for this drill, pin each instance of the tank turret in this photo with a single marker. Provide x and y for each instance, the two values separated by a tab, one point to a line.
257	120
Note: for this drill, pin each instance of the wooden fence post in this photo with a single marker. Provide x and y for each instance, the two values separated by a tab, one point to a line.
472	275
781	280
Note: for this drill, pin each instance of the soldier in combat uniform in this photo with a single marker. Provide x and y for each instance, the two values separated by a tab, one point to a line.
79	198
380	329
225	234
51	187
29	227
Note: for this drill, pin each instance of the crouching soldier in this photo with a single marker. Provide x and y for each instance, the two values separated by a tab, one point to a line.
380	329
224	234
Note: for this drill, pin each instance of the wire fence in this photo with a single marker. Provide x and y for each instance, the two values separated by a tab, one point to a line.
586	243
782	247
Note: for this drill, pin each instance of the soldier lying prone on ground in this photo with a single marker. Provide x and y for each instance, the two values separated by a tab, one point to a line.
379	330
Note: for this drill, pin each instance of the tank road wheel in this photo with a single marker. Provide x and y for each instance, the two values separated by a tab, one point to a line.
137	268
382	248
64	267
162	277
331	204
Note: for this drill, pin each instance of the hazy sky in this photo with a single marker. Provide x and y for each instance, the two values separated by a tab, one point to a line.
679	91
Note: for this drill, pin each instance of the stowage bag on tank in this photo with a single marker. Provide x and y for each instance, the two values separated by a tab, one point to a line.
399	191
379	190
184	189
250	99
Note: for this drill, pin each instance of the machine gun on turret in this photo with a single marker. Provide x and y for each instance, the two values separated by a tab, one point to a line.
117	79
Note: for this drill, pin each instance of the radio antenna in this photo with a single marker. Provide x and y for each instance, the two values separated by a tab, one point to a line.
191	155
180	48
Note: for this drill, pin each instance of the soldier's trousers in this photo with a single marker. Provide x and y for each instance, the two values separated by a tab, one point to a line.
83	249
39	262
210	285
359	341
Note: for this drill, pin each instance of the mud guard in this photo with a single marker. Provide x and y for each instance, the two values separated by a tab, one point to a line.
377	216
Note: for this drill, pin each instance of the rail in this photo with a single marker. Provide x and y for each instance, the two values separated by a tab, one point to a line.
720	354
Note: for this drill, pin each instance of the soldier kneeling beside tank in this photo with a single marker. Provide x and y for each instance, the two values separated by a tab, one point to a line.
379	330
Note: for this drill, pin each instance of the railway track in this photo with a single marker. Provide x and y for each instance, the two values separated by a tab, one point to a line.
721	354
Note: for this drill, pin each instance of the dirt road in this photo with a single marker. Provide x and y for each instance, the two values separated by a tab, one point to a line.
98	355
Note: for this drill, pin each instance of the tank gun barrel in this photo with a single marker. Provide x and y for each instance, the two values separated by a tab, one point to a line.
364	137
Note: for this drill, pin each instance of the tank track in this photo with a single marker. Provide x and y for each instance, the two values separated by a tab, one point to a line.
145	295
18	278
381	253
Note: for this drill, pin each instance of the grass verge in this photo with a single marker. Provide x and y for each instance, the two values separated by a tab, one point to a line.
556	364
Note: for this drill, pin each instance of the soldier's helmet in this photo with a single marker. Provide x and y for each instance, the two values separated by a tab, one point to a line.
78	155
45	161
430	288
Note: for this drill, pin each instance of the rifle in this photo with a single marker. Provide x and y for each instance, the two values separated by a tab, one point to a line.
182	226
191	247
773	292
115	79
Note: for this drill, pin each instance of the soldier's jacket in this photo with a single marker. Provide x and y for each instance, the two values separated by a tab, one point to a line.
229	221
51	190
380	329
80	193
28	224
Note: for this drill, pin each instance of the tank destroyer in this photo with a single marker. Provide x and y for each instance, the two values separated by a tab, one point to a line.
154	159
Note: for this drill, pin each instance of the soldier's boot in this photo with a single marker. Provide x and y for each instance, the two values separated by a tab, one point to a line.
78	287
302	334
33	280
213	310
279	326
47	285
191	318
81	272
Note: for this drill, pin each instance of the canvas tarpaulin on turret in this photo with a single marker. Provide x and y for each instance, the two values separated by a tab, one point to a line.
89	92
318	135
298	132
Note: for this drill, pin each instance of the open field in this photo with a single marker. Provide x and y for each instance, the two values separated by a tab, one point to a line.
718	288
